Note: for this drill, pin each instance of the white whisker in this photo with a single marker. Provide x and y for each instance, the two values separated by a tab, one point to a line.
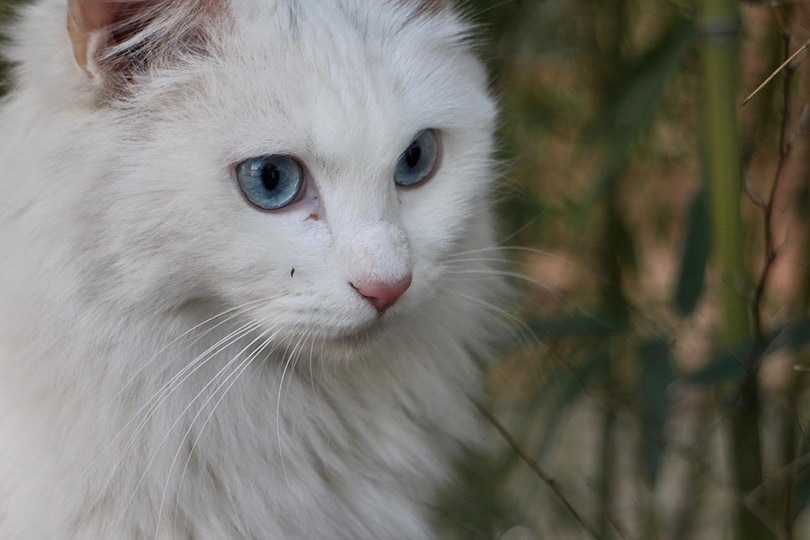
166	387
311	372
489	307
278	408
170	387
518	249
483	274
232	313
147	411
521	329
233	376
154	403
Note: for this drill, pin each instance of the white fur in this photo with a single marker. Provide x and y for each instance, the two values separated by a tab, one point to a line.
162	373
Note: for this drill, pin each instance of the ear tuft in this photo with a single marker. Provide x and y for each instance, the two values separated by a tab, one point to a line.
114	39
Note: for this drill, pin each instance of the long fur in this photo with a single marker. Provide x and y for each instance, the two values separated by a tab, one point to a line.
175	363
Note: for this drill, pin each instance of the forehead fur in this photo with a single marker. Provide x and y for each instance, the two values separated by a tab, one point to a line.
380	18
358	63
148	20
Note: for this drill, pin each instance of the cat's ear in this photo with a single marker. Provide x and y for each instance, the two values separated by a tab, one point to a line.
114	38
88	23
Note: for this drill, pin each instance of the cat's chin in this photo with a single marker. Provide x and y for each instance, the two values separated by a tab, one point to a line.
348	346
352	343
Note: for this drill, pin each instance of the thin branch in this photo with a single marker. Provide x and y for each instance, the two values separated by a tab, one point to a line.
777	71
754	198
771	252
548	480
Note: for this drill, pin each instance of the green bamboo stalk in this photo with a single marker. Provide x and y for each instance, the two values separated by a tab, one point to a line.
719	22
724	169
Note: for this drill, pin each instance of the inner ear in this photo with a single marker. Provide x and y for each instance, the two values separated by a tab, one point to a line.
92	23
113	39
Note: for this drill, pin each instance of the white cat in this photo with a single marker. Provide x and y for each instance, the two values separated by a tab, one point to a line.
244	267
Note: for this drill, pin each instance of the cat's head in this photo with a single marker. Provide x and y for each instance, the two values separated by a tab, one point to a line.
316	163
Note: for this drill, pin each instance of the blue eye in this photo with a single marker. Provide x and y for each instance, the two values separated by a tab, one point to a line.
418	162
271	182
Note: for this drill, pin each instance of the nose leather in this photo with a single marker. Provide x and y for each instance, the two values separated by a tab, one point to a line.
380	294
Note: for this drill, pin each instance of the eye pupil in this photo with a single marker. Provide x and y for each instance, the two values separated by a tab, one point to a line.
413	155
270	177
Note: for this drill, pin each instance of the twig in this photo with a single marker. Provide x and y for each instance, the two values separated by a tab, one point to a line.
548	480
771	251
754	198
776	72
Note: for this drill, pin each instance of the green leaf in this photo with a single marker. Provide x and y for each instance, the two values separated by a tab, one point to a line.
728	367
593	370
657	375
691	278
794	336
627	118
559	327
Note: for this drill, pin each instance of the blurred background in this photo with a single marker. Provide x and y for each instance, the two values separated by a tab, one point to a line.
655	384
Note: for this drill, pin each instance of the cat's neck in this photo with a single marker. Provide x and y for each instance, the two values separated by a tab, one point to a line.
149	429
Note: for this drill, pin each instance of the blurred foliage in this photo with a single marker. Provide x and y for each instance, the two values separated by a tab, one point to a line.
616	386
618	383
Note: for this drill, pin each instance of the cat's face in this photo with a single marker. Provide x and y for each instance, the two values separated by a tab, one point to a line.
321	156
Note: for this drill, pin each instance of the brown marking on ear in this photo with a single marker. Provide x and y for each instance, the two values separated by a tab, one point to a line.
114	38
83	19
94	25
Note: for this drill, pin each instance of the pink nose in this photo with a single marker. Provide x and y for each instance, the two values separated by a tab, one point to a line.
382	295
